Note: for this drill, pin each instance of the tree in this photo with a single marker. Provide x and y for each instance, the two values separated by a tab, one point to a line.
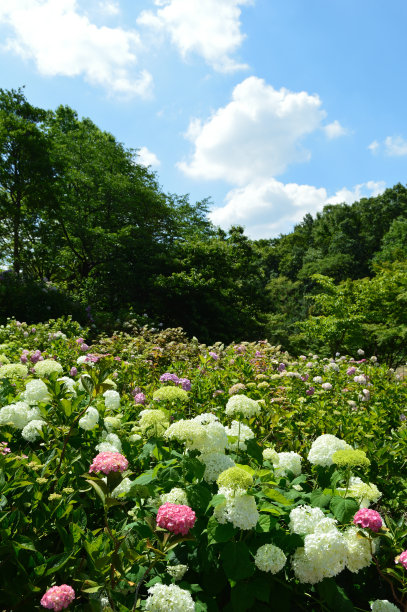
26	175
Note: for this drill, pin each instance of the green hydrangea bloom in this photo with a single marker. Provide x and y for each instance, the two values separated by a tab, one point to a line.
170	394
350	458
235	478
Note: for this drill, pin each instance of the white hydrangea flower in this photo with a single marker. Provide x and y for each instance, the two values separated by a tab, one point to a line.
359	553
288	462
112	423
112	399
175	496
122	488
32	430
177	571
47	367
215	464
13	370
241	405
364	493
111	444
317	379
83	359
15	414
270	558
68	383
324	447
269	454
383	605
190	432
89	420
233	432
324	554
238	508
36	391
169	598
134	437
206	418
304	519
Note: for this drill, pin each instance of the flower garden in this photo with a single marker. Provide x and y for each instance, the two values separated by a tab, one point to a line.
146	471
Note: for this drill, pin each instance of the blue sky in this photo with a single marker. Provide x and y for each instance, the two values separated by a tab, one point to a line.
272	108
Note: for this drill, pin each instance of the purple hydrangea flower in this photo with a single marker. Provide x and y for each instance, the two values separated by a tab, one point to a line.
185	384
169	376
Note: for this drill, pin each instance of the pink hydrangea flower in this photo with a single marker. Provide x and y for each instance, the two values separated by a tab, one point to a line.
176	518
58	597
369	519
109	462
402	559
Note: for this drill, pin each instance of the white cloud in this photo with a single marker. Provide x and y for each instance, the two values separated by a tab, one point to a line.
61	41
268	207
209	28
395	146
258	134
147	158
335	130
109	7
364	190
374	146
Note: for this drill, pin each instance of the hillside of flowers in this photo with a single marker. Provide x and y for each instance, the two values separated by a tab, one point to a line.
147	471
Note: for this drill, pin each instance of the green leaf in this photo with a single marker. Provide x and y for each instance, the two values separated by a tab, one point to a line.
236	561
58	561
98	490
266	523
320	499
343	509
334	596
218	532
278	497
216	500
67	407
242	597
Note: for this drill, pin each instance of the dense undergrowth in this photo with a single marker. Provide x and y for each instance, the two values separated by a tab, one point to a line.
274	457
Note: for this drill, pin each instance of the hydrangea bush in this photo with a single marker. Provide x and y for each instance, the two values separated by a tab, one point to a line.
144	473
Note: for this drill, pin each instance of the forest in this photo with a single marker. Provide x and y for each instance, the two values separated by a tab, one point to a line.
86	230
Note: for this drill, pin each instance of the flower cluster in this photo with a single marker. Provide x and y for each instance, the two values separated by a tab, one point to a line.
242	405
18	415
32	430
112	399
270	558
288	462
170	394
90	419
153	423
324	447
58	597
402	559
350	458
36	391
364	493
178	519
13	370
238	508
110	444
215	464
238	434
269	454
169	598
175	496
235	478
45	368
383	605
368	519
107	462
177	571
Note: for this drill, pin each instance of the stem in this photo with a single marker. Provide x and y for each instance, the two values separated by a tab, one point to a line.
395	596
68	435
140	582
